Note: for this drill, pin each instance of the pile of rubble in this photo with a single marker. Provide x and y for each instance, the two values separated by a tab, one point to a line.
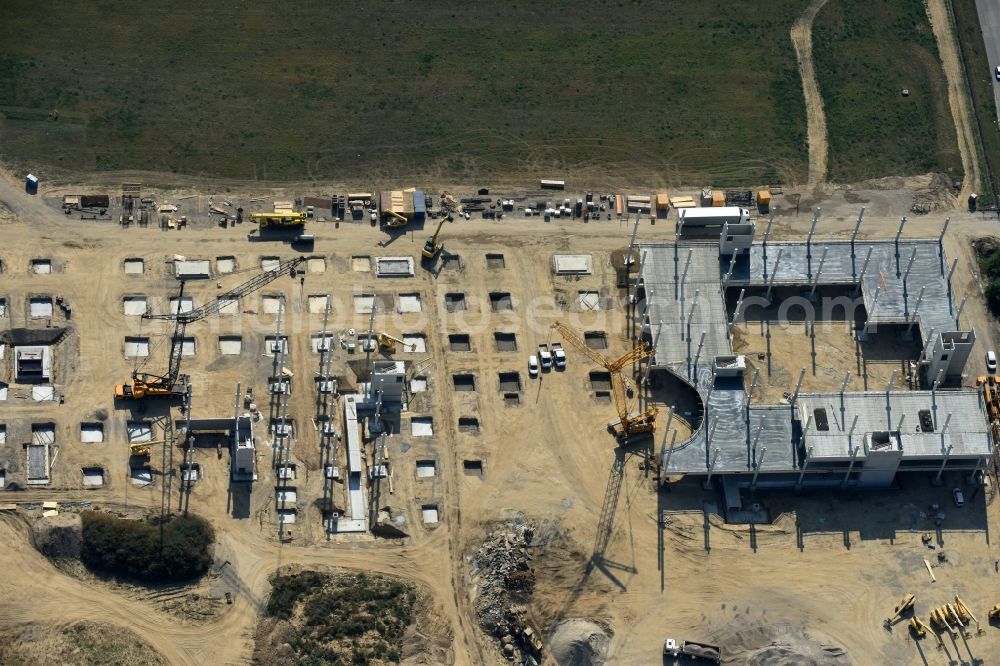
502	570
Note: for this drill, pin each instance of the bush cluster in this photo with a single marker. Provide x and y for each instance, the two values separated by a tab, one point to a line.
180	549
354	618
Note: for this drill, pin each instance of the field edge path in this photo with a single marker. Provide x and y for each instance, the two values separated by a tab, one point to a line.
958	99
801	34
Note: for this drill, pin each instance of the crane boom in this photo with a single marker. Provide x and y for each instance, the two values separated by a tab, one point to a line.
173	384
637	353
626	425
221	301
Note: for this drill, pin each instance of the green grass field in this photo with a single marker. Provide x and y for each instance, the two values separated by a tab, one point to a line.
866	52
674	92
703	93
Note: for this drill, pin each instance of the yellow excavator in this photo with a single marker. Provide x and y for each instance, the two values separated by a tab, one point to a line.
387	343
432	248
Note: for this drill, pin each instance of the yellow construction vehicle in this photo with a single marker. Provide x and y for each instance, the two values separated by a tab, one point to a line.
628	424
279	220
965	614
387	343
904	605
172	383
394	220
432	248
939	620
145	385
990	386
994	614
920	630
141	449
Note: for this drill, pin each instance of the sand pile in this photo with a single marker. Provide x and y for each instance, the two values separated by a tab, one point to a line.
579	642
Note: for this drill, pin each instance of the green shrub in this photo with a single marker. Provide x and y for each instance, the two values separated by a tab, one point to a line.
180	549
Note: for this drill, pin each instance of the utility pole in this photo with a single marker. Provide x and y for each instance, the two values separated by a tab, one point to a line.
857	227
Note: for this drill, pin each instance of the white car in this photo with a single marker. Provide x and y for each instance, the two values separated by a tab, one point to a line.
533	366
559	355
545	356
991	362
997	72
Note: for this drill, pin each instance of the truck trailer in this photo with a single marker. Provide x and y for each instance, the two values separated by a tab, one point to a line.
713	217
693	650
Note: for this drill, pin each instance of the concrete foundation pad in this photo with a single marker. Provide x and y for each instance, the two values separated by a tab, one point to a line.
193	269
394	267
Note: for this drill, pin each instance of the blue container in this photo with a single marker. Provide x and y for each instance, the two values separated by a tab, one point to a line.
31	184
419	206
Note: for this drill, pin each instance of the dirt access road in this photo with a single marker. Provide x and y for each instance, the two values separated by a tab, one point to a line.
548	457
815	116
958	96
958	101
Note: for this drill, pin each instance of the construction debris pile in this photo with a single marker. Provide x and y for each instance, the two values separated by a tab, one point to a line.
501	567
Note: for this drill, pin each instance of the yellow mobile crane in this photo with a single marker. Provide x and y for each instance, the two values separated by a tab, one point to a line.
279	220
627	424
172	383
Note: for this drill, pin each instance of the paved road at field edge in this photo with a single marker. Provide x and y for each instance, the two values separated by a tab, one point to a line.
989	18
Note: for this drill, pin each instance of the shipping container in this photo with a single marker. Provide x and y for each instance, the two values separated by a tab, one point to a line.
714	217
553	184
419	205
619	205
662	201
95	200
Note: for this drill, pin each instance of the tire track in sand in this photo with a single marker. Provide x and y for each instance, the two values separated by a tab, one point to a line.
815	117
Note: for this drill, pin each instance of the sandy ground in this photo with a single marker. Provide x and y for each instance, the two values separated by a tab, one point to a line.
801	35
830	567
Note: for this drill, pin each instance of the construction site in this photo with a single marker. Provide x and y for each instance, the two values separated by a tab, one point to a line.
740	427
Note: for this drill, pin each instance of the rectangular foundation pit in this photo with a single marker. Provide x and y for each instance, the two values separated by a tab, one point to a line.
91	433
134	266
136	347
317	303
40	307
394	267
408	303
414	342
429	514
135	306
194	269
93	477
225	265
230	345
270	303
422	426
